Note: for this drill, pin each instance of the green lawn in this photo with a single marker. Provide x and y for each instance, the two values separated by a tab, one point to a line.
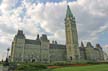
102	67
0	64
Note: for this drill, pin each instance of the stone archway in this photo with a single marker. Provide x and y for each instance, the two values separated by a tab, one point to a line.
33	60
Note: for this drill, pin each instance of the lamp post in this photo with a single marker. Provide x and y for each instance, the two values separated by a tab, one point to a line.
8	52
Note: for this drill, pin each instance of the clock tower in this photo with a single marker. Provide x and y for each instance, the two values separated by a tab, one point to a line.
71	37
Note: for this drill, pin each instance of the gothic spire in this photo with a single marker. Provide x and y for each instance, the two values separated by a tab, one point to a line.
82	45
69	13
37	36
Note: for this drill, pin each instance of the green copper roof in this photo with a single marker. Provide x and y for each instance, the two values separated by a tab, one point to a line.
69	13
20	34
35	42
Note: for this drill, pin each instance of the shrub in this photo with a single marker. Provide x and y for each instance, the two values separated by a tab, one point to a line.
92	62
31	67
59	63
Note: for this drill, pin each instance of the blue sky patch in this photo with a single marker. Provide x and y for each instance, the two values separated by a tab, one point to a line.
44	1
102	38
18	3
0	2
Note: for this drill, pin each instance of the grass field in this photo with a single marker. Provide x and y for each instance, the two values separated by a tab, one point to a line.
0	64
101	67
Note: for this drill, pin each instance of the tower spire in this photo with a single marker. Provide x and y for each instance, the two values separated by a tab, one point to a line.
73	54
69	13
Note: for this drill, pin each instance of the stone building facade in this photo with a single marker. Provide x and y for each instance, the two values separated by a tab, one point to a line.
90	53
41	50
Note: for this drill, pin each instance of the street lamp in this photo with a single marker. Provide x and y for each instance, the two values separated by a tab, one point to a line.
8	52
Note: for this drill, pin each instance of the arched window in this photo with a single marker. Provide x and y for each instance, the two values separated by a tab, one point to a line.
70	57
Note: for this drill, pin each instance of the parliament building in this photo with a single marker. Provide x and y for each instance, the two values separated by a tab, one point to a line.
41	50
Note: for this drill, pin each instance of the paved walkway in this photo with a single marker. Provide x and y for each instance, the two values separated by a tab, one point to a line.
1	68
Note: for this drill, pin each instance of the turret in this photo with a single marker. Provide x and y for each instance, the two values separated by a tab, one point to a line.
17	49
89	44
20	35
44	37
54	42
44	49
98	46
82	45
101	52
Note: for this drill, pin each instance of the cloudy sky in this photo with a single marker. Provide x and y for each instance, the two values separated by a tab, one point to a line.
47	17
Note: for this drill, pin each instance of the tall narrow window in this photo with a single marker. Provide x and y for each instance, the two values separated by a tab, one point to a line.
70	57
73	36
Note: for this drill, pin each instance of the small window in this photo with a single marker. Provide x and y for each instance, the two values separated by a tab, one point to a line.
70	57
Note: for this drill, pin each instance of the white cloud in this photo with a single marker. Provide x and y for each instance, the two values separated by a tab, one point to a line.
95	7
105	48
100	29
